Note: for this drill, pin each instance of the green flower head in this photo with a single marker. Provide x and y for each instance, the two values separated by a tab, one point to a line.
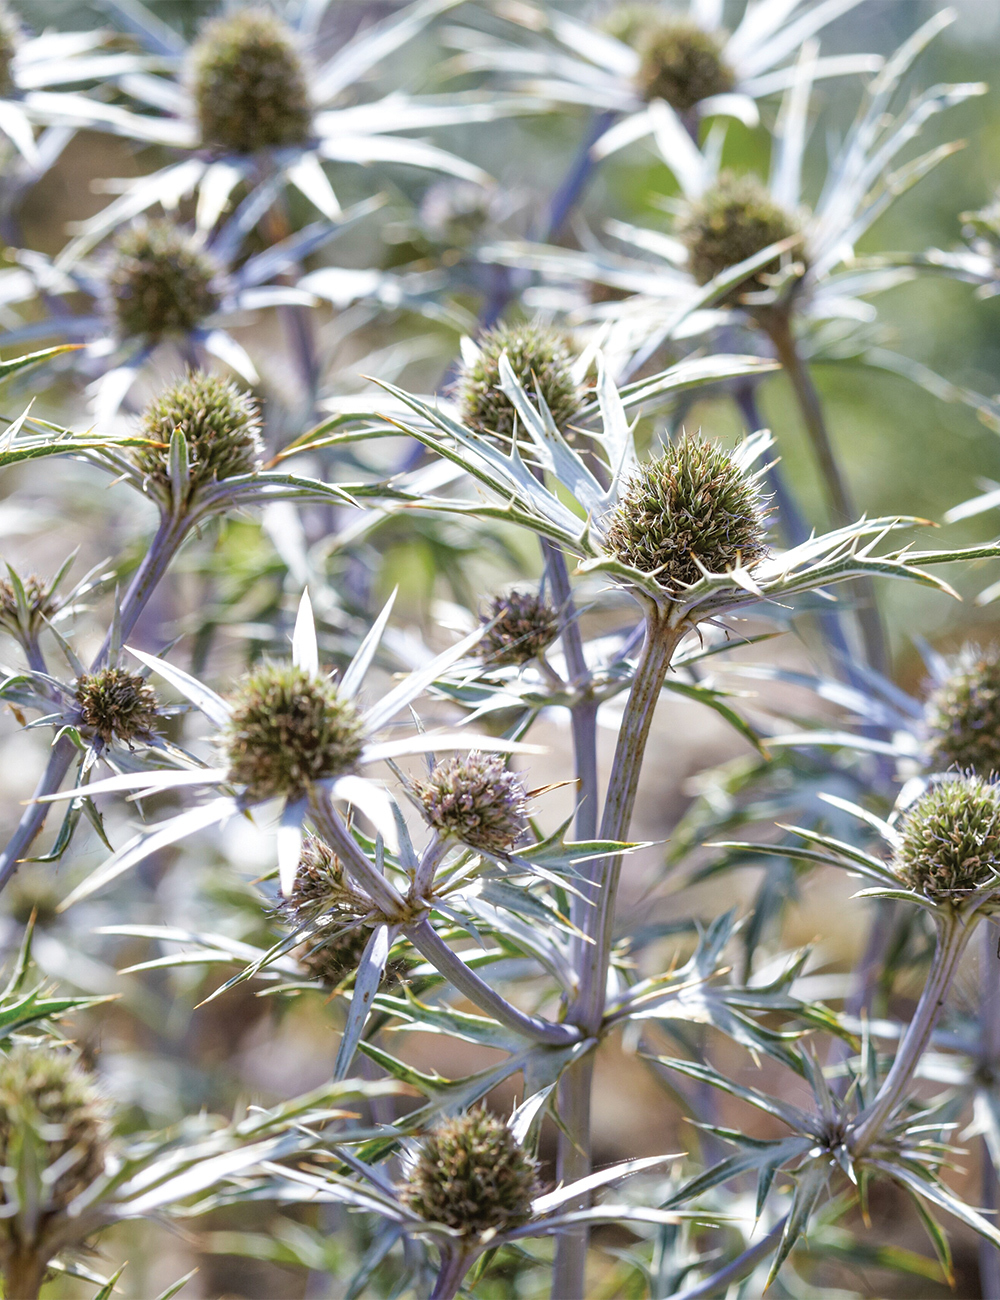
287	730
250	85
688	510
520	626
471	1174
475	799
161	281
116	705
679	62
951	839
542	363
962	715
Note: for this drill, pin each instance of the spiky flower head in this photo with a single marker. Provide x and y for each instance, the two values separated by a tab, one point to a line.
678	60
687	510
950	841
475	799
117	705
522	623
250	84
11	36
53	1114
219	421
471	1174
40	601
542	363
287	729
733	220
962	715
161	281
321	885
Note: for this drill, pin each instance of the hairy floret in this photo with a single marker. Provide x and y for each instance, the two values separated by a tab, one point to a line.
523	625
962	715
220	423
161	281
288	729
733	220
951	839
542	363
51	1111
117	705
688	509
471	1174
474	798
250	84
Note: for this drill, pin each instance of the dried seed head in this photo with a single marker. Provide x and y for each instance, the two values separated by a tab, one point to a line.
220	424
962	715
288	729
689	506
732	221
541	361
250	85
161	281
472	1175
51	1112
524	624
951	839
681	63
117	705
475	799
11	36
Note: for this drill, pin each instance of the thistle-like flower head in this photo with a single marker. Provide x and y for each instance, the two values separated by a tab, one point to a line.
219	421
161	281
249	84
41	603
520	626
116	705
679	61
542	363
687	510
51	1112
962	715
950	841
288	729
321	886
472	1174
733	220
10	38
475	799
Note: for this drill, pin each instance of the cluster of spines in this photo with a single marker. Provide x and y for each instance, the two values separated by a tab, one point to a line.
115	704
476	799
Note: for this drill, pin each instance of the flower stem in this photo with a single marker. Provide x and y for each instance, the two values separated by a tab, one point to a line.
955	929
989	1040
454	1266
331	826
738	1268
23	1275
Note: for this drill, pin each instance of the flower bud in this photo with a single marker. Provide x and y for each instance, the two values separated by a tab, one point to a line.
475	799
730	222
951	839
116	705
962	715
690	506
523	625
288	729
161	281
41	603
472	1174
542	363
220	424
249	83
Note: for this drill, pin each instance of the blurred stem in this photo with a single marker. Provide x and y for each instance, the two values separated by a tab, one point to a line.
162	549
23	1276
454	1266
738	1268
989	1031
791	520
573	1161
777	324
954	931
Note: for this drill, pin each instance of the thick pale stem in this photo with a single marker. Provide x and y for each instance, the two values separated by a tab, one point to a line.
953	934
778	326
331	826
23	1276
573	1161
989	1041
426	940
454	1266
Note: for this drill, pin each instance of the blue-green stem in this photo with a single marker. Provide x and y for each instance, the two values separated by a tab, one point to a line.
719	1283
455	1263
989	1064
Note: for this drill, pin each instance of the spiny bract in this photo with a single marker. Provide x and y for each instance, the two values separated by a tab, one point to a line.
50	1108
117	705
962	715
41	603
733	220
520	626
685	511
161	281
220	424
475	799
951	839
472	1175
542	363
249	83
288	729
